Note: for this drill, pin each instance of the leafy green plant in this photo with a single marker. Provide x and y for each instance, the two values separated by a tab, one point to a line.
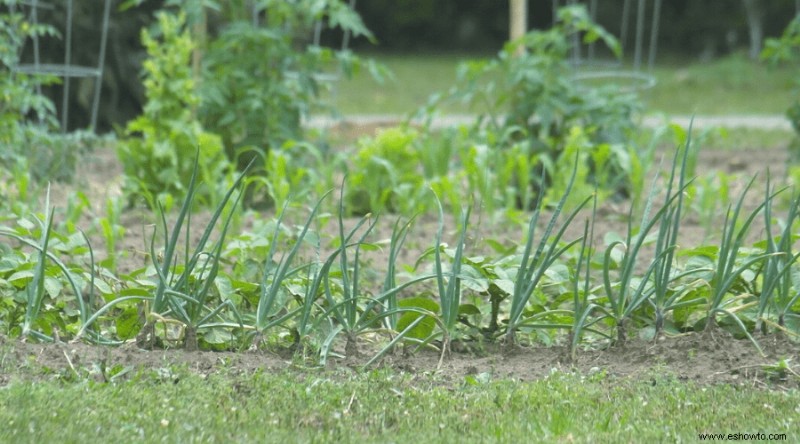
497	178
19	90
297	170
707	196
246	98
486	281
482	170
157	154
18	188
384	174
39	279
256	103
438	151
27	117
526	95
785	50
113	231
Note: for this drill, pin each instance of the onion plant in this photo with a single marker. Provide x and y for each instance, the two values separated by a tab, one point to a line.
399	233
348	310
777	292
35	292
582	306
727	269
626	296
354	313
662	296
182	292
534	264
268	313
449	284
348	317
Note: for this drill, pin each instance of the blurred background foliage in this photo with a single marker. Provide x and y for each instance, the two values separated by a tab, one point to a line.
690	29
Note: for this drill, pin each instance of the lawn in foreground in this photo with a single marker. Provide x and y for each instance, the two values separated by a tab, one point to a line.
174	405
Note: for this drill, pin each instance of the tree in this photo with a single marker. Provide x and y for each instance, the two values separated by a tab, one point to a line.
755	26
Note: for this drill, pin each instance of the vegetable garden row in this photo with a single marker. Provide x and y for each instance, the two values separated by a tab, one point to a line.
545	150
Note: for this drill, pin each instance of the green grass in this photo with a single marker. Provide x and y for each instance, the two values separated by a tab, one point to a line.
731	139
384	406
416	77
746	138
730	85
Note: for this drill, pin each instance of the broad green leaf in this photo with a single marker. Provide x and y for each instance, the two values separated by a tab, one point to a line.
468	310
507	285
708	251
216	336
53	287
426	326
20	278
127	323
102	286
226	290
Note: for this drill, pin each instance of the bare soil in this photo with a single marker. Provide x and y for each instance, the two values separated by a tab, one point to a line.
705	358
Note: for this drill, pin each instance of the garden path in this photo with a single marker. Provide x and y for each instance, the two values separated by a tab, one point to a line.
767	122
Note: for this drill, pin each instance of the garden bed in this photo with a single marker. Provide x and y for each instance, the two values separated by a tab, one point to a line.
712	356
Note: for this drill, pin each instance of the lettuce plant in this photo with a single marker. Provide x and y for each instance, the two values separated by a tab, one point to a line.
384	174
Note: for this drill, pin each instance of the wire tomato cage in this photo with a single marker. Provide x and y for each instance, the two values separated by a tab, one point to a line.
636	27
